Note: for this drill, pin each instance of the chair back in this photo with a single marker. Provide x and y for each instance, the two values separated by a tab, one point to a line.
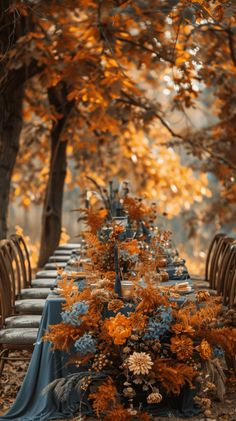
225	264
24	257
212	250
229	271
12	268
6	296
232	292
220	252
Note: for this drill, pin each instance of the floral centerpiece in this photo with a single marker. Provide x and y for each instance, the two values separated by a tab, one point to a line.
133	352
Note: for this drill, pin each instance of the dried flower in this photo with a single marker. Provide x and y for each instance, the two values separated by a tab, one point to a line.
202	296
182	327
205	350
73	316
134	337
115	305
129	392
139	363
132	411
179	271
101	294
126	349
182	346
85	344
154	397
210	386
218	352
204	402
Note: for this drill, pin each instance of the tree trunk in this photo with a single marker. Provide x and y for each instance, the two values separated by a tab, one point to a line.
10	128
52	209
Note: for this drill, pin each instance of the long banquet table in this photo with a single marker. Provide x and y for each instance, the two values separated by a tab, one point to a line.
47	365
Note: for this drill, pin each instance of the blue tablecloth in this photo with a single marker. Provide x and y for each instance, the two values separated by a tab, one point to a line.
47	365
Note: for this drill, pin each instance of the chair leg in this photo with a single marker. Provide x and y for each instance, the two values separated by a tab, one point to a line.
232	294
3	356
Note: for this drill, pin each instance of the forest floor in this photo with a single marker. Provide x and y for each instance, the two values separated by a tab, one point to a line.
14	373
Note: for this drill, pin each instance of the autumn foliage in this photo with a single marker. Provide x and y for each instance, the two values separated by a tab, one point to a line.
90	78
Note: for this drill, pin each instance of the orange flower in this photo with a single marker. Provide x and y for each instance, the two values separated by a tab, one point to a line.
204	350
138	320
151	298
182	327
182	346
62	335
119	328
118	413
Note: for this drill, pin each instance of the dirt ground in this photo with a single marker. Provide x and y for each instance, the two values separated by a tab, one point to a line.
14	373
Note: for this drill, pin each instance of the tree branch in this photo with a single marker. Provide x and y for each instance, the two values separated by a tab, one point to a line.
143	47
136	103
231	45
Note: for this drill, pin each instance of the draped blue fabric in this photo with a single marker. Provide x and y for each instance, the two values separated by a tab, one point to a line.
45	366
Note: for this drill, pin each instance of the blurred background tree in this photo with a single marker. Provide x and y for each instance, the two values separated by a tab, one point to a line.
125	89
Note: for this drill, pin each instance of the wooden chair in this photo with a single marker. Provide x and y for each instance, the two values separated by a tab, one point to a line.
12	338
21	253
12	282
210	262
225	265
211	255
227	286
45	279
11	320
219	258
232	293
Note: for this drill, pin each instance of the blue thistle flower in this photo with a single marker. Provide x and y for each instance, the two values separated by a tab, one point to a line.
72	316
85	344
155	330
80	284
166	314
159	325
218	352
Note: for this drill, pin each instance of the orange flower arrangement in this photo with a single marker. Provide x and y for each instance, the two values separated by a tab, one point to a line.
151	343
119	328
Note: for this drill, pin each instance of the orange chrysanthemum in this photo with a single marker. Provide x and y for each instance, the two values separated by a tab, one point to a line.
182	346
205	350
119	328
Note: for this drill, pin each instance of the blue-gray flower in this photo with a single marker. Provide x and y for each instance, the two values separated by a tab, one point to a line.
72	316
85	344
